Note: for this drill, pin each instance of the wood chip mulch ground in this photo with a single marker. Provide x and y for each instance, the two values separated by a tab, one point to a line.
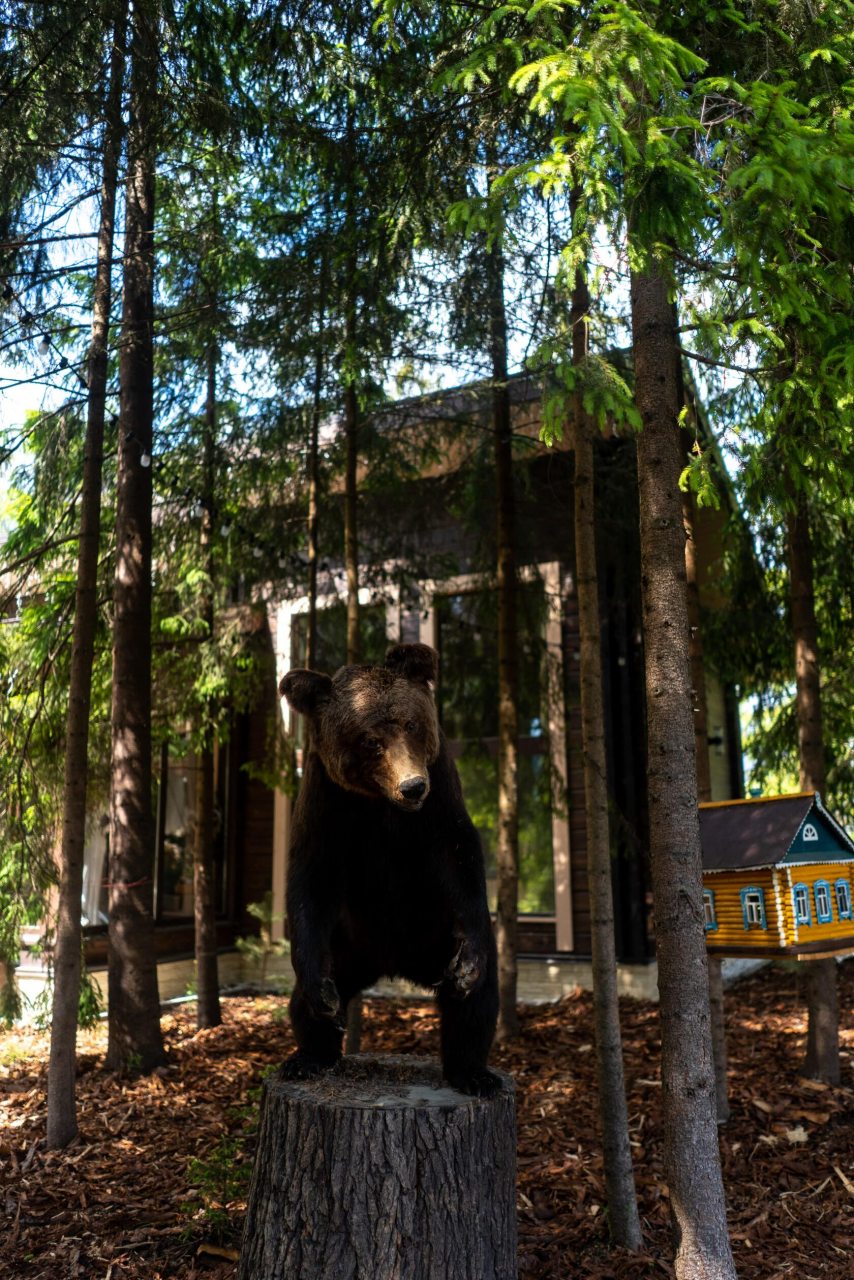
155	1185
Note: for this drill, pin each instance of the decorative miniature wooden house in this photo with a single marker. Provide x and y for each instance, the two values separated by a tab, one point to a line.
776	878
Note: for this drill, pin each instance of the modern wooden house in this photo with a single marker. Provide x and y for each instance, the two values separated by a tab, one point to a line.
777	876
429	578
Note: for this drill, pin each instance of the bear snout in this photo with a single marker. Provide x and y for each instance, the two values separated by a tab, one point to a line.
413	789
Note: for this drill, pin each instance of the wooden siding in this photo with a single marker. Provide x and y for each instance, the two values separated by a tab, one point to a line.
807	874
782	934
727	887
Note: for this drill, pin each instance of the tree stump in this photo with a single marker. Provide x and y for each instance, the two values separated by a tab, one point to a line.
379	1170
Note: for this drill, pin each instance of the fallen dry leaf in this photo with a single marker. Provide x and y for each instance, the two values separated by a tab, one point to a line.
124	1207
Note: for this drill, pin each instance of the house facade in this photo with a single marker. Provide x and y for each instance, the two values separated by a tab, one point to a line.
429	578
777	876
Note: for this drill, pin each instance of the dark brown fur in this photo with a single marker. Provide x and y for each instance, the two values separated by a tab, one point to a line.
385	873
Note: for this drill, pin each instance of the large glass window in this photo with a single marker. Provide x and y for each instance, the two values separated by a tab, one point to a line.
466	630
332	636
175	869
95	865
175	831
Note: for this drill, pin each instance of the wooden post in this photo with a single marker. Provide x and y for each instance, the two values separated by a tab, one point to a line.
379	1170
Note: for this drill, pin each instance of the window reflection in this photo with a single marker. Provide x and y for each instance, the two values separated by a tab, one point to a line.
332	637
95	863
468	706
176	867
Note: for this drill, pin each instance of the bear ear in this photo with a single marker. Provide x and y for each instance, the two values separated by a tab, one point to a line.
305	690
413	662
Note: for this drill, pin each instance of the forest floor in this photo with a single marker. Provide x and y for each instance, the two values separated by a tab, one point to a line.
155	1184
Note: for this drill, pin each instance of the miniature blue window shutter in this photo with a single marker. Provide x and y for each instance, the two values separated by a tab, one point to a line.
709	914
801	903
823	908
753	908
843	899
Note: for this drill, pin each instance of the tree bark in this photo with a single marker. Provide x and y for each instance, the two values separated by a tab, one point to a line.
380	1171
62	1070
695	650
134	1008
353	1036
822	1051
717	1007
314	473
507	836
623	1219
691	1156
208	1013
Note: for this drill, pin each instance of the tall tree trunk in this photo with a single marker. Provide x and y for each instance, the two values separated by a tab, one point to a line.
351	534
691	1156
62	1071
623	1218
134	1009
507	843
822	1053
208	1012
314	472
353	1038
704	794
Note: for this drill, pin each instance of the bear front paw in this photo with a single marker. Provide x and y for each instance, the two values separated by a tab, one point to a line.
477	1084
467	968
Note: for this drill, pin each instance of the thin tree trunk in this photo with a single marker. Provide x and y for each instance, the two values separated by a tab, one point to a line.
351	535
208	1012
507	843
314	474
62	1070
134	1010
353	1038
691	1156
695	649
623	1219
822	1052
717	1007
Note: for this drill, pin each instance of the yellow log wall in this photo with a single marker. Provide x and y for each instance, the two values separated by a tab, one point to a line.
779	907
808	875
727	887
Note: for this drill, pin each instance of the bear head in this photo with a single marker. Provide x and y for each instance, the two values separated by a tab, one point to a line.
375	729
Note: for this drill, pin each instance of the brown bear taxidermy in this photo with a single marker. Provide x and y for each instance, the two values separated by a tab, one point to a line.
385	869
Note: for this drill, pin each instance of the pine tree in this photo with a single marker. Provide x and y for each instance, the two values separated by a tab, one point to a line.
134	1006
61	1115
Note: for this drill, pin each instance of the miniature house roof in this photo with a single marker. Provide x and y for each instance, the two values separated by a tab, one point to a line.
738	835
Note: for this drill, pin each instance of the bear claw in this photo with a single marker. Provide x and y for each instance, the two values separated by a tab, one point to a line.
323	999
465	968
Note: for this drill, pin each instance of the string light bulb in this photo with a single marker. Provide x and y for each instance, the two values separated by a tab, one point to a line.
145	458
225	528
257	552
44	345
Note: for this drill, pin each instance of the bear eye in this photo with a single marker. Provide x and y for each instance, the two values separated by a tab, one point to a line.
410	726
373	744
